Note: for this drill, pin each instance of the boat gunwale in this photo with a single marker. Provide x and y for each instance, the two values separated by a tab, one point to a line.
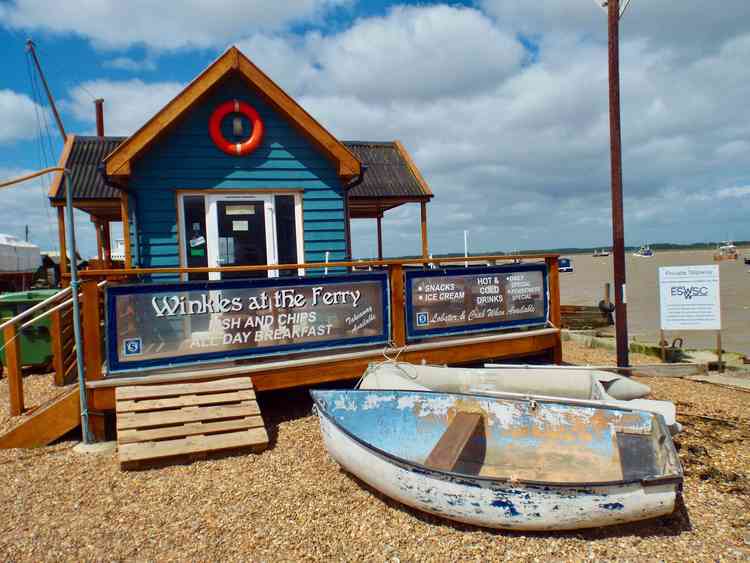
451	475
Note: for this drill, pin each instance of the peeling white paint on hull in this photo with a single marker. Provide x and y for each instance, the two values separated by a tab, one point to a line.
498	504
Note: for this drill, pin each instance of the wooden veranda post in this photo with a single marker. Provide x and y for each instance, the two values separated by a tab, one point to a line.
63	249
398	319
99	241
124	212
425	246
13	367
107	243
380	236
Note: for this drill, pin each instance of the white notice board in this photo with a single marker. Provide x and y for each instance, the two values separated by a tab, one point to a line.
689	298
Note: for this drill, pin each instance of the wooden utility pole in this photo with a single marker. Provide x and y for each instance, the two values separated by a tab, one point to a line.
618	231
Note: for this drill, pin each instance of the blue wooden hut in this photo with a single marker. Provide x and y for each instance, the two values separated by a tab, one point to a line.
191	191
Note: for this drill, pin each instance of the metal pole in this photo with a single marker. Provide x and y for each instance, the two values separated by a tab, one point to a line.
71	240
618	231
30	47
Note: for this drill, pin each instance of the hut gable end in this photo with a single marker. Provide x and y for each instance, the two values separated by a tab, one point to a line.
185	158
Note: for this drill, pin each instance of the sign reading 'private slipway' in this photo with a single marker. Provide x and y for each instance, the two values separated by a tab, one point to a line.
689	298
453	301
157	325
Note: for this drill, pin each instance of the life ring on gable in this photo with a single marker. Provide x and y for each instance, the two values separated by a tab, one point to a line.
236	149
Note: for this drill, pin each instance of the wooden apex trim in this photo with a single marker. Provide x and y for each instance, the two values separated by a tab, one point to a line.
413	167
118	161
54	187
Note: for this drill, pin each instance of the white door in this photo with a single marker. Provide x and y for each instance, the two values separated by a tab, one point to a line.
240	232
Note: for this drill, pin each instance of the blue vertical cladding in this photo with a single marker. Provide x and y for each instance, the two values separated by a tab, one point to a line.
186	158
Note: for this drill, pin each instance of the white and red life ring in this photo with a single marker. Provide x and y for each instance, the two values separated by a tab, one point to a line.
236	149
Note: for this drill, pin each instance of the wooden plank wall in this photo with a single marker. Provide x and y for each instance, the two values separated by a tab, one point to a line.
186	158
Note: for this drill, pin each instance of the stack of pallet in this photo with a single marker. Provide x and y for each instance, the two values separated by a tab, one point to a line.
178	420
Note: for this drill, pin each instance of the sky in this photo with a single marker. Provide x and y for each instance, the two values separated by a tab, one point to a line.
502	104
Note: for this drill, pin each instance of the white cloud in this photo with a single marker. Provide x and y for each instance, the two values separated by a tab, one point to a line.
27	204
131	65
161	25
515	143
457	51
128	104
18	117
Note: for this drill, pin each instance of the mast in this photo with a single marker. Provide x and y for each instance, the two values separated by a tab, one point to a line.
30	47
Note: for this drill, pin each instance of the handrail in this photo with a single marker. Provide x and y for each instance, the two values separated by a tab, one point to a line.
28	312
57	307
311	265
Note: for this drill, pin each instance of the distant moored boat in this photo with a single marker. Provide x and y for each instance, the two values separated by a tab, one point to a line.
727	251
644	252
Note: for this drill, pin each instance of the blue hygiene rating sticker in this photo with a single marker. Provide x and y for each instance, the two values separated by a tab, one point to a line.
423	319
132	346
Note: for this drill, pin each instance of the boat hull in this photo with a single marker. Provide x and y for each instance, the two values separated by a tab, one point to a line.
497	504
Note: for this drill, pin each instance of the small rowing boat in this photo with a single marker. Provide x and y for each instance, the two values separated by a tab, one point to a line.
519	464
585	386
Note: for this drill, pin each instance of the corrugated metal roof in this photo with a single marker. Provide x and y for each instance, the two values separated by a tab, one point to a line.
84	160
388	174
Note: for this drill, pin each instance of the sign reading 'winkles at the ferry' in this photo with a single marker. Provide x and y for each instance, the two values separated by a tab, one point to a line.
156	325
441	302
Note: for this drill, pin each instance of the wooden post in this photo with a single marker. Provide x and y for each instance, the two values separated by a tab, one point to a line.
719	351
92	350
58	361
13	367
553	280
99	241
63	249
107	243
425	246
380	236
92	333
607	299
398	313
124	212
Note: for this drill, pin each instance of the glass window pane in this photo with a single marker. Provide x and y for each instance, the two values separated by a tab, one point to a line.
195	234
286	233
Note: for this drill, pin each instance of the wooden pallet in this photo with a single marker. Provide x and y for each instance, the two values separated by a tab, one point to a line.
184	419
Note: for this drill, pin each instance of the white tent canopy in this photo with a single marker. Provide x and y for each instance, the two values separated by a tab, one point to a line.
18	256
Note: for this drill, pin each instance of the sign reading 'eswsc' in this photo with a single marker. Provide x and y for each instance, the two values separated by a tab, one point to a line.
689	298
154	325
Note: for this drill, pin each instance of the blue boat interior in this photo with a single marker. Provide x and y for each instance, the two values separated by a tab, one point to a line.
518	440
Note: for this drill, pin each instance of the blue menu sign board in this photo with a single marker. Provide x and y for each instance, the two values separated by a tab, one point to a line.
156	325
451	301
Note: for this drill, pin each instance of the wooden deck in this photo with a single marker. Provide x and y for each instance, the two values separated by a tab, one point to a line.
178	420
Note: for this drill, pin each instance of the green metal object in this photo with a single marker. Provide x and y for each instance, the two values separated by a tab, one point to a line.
35	340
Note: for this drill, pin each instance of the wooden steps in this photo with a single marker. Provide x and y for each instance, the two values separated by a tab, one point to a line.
165	421
46	423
